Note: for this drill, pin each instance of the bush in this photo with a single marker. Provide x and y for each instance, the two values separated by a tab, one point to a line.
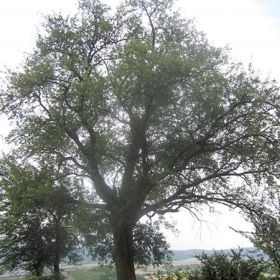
220	266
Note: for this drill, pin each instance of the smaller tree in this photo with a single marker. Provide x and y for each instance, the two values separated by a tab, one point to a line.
150	245
37	206
266	236
266	232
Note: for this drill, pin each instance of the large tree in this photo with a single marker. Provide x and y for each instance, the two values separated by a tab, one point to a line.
38	206
138	102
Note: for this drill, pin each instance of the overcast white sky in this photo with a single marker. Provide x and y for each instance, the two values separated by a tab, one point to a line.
250	27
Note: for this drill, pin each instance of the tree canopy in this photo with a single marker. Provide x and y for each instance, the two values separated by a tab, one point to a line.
139	103
266	232
37	206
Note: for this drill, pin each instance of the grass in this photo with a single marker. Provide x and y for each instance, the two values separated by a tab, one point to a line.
97	273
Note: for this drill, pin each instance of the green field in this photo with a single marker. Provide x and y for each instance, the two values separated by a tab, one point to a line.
97	273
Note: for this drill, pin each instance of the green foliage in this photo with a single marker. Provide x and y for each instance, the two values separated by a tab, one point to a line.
154	118
46	277
150	246
266	235
37	205
177	275
267	238
220	266
233	267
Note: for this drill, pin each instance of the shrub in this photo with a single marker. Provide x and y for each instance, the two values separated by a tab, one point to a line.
220	266
177	275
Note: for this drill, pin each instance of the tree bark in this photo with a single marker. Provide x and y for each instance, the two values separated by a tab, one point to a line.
123	253
56	269
56	257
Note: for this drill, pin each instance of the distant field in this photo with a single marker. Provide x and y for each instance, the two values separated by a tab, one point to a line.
12	277
96	273
87	272
91	271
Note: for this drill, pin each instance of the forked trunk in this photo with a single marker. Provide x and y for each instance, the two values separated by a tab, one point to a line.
123	254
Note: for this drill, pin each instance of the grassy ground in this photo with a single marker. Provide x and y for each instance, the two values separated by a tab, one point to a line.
96	273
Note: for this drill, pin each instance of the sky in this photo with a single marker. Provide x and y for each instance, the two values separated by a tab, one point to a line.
251	28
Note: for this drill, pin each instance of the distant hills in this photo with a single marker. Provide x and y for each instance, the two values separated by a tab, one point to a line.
185	254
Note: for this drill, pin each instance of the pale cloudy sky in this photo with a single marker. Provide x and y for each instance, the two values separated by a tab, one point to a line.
250	27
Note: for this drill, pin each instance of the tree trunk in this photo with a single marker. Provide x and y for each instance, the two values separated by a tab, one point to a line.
123	254
56	269
56	257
